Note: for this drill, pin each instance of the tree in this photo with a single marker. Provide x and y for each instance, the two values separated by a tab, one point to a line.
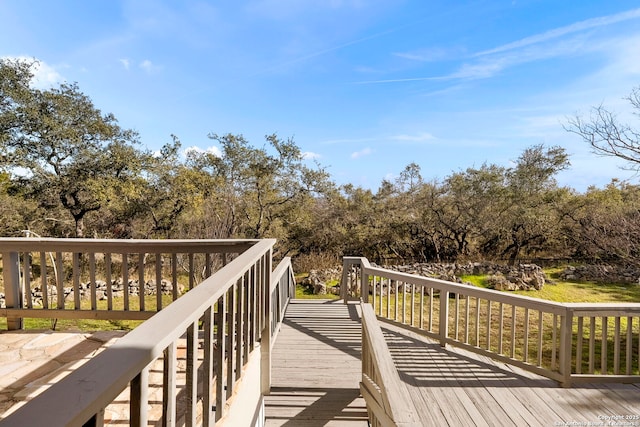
71	150
607	135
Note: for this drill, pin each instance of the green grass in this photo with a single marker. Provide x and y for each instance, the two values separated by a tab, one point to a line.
91	325
563	291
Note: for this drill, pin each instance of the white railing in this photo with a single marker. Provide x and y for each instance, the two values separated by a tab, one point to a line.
388	400
224	319
104	279
565	342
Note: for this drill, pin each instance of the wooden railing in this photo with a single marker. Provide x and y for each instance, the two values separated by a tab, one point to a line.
565	342
388	401
224	319
104	279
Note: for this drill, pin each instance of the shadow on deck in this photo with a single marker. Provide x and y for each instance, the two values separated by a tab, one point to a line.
455	387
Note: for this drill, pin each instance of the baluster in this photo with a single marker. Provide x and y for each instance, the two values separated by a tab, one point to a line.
26	274
604	368
43	276
191	271
207	383
92	281
456	315
60	280
158	257
174	276
141	281
192	374
592	345
125	280
107	275
467	313
554	339
629	344
413	291
422	307
76	281
514	325
139	399
477	322
169	386
540	335
430	309
526	335
489	324
616	347
220	360
500	327
579	345
231	335
240	333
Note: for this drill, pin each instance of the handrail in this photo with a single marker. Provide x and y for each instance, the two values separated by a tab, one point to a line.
387	397
42	277
223	301
567	342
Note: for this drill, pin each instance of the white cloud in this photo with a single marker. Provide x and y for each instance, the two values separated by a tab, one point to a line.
361	153
44	75
125	63
310	155
211	150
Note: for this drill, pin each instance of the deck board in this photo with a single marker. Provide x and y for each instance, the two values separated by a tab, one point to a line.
316	367
496	393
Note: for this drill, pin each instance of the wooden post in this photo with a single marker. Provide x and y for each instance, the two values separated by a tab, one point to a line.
265	341
566	332
443	326
344	293
364	286
12	288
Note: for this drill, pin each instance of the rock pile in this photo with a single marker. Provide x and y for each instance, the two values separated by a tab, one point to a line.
317	281
501	277
117	289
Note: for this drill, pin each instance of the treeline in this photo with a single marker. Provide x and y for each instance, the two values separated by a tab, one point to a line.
67	170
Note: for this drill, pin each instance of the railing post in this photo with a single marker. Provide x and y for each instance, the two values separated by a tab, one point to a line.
443	326
12	288
344	283
566	335
265	341
364	285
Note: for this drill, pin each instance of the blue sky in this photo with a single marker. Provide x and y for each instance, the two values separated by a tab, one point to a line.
363	86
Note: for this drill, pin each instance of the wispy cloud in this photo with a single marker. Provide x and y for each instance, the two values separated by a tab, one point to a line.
563	31
348	141
419	137
149	66
364	152
125	63
550	44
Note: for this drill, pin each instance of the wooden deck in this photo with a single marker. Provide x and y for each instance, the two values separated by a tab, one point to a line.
454	387
316	367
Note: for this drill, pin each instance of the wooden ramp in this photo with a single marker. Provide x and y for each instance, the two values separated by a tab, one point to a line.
458	388
316	367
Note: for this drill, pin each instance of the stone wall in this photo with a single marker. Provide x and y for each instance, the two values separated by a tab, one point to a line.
117	289
601	273
501	276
